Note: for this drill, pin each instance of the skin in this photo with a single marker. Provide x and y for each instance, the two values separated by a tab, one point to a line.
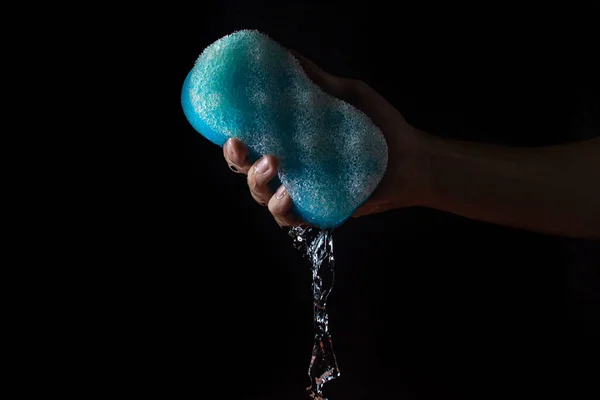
552	189
401	185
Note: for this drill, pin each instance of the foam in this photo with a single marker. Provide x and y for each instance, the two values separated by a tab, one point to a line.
247	86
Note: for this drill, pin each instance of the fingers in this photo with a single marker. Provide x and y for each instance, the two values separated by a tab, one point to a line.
279	203
236	155
280	206
353	91
259	176
373	104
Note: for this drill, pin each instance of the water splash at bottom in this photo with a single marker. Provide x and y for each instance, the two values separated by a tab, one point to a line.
317	245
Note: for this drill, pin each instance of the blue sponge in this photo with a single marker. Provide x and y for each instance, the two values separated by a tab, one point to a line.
247	86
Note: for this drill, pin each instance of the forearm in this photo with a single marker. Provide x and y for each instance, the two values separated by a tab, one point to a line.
553	189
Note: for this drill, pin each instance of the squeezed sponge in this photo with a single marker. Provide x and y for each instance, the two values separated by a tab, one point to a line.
247	86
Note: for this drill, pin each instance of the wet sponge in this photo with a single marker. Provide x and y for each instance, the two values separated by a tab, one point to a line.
247	86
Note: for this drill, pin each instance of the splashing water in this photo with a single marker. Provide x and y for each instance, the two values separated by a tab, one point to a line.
317	245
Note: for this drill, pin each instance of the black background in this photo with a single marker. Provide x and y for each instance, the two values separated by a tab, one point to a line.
426	304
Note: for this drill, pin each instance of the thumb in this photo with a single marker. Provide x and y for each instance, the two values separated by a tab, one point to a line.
334	85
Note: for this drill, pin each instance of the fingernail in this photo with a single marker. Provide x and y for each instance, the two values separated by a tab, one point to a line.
262	166
280	192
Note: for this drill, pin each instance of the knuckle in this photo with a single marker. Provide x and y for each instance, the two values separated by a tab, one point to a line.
359	84
251	179
281	222
359	87
273	209
356	91
258	198
349	88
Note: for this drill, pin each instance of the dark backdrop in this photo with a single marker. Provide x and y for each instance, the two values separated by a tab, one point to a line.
426	304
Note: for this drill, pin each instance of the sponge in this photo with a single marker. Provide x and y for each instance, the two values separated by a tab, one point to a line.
247	86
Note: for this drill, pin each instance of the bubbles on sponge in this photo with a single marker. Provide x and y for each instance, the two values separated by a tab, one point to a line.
332	157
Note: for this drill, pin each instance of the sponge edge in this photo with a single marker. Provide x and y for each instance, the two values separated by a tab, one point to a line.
247	86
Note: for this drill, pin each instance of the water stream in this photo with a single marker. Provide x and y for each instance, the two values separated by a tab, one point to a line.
317	245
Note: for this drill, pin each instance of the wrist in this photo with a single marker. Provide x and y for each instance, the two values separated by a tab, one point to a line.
407	179
422	176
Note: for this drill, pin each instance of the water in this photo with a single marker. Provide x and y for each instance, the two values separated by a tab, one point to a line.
317	245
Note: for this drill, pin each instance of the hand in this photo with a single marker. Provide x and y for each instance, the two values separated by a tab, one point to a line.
403	181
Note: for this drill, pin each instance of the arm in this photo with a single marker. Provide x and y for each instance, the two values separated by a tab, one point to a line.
554	189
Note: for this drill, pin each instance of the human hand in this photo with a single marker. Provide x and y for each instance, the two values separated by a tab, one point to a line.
403	182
